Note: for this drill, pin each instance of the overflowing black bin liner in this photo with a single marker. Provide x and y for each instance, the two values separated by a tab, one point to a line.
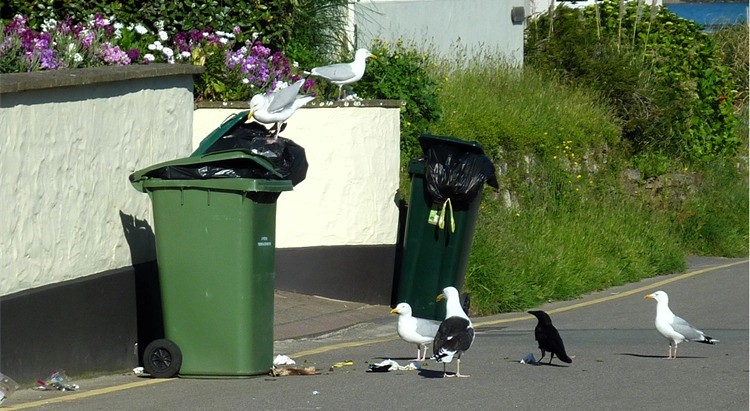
259	155
287	157
455	169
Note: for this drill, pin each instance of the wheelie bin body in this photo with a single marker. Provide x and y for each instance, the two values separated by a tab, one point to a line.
215	247
441	218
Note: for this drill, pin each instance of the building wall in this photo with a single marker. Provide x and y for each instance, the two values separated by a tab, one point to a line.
442	26
66	156
78	282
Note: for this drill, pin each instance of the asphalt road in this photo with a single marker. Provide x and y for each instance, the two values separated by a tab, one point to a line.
618	361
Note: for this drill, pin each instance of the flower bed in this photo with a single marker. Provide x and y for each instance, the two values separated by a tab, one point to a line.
235	67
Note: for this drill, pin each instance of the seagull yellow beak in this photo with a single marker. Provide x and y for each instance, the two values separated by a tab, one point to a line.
373	56
650	296
440	297
394	311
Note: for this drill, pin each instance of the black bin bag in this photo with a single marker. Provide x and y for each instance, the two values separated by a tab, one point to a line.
287	157
455	169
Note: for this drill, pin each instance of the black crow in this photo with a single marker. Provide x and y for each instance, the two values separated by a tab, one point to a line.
548	337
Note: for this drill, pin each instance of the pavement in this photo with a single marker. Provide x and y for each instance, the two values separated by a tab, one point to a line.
618	358
300	315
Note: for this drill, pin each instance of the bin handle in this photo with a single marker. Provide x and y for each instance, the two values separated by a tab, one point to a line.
441	219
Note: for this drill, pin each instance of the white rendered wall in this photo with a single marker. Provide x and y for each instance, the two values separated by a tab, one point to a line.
442	25
65	157
348	197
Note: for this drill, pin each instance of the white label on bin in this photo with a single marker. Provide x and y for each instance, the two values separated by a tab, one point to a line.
264	242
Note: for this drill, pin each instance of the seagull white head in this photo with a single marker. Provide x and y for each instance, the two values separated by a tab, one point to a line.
659	296
402	309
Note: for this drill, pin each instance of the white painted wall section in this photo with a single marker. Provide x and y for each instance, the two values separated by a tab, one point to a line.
65	157
349	195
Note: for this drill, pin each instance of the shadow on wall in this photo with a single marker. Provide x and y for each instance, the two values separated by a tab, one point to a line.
142	243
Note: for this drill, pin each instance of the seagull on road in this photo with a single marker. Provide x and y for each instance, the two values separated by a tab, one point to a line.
456	333
674	328
419	331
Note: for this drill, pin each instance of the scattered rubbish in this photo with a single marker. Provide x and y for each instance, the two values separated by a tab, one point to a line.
284	371
390	365
529	359
57	381
316	392
138	371
7	387
283	360
342	364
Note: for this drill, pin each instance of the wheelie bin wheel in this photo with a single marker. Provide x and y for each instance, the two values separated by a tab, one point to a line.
162	358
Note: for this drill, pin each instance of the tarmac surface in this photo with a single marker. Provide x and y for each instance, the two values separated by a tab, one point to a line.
618	358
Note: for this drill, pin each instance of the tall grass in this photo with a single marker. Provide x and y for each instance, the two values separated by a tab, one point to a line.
497	105
557	247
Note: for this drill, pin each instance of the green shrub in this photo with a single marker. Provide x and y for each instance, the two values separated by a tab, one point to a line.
401	72
714	220
659	72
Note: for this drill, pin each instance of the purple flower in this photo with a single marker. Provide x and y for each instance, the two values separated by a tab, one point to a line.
48	60
114	55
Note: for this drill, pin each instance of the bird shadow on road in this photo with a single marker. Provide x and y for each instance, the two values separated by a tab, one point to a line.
654	356
430	373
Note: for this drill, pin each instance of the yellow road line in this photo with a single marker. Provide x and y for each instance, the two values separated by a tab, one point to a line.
526	316
87	394
616	296
342	345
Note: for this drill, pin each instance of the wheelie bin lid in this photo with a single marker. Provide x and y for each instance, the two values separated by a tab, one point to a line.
219	132
151	177
429	140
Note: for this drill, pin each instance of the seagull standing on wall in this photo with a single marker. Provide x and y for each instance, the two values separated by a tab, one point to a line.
419	331
674	328
456	333
342	74
277	106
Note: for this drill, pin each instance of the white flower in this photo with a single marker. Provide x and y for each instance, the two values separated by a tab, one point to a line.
159	25
255	35
220	33
229	35
168	52
151	47
77	57
295	64
71	47
163	35
223	40
49	25
149	57
185	54
140	29
245	80
118	26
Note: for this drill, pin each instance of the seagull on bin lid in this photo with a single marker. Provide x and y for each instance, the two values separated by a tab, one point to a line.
342	74
277	106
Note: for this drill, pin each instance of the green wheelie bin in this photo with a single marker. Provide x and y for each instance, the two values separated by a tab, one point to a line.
215	247
446	187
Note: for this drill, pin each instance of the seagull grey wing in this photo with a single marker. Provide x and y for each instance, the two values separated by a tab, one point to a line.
688	331
427	327
285	97
335	72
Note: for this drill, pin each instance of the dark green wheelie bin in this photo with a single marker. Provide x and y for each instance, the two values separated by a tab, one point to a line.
446	187
215	234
